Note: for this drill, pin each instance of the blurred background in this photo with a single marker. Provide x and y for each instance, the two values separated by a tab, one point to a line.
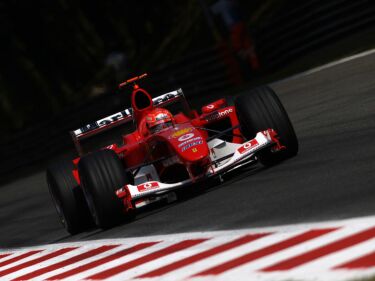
61	60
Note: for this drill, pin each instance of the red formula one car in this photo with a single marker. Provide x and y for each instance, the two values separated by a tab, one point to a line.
171	146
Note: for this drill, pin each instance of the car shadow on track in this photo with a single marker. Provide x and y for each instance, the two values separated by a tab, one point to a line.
189	193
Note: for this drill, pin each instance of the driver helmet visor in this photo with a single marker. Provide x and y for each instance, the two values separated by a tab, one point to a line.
161	126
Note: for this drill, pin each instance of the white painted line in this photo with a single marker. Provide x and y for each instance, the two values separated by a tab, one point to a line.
326	66
218	255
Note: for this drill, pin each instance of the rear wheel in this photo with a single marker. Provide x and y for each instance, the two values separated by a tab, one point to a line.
261	109
101	174
68	197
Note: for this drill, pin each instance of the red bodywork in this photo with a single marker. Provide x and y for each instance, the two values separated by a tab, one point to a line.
178	153
186	139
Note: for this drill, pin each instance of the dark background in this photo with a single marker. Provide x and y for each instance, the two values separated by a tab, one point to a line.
54	76
54	51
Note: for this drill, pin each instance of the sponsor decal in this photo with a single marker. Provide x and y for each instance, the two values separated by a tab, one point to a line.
147	186
186	137
104	122
195	143
166	97
219	114
124	114
181	132
194	150
247	146
189	140
210	106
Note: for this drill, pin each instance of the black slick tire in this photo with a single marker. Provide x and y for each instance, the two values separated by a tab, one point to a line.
101	174
261	109
68	197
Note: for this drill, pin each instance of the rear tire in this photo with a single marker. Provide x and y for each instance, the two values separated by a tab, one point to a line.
101	174
68	197
261	109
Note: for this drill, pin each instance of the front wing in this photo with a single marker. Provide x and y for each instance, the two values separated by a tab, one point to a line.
241	154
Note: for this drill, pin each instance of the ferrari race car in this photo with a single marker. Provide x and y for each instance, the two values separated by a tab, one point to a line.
169	146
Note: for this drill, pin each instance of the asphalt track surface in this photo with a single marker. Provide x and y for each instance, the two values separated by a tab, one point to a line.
333	176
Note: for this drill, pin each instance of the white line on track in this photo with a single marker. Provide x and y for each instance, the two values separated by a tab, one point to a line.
328	65
312	251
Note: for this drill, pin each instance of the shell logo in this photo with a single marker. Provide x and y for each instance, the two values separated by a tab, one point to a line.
181	132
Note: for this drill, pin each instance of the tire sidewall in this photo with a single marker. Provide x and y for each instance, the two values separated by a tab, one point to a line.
67	196
261	109
101	174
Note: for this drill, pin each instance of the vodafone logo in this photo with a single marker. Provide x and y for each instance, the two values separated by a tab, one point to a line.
147	186
186	137
219	114
248	145
210	106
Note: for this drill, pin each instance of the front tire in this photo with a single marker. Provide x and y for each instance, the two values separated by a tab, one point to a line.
101	174
261	109
68	197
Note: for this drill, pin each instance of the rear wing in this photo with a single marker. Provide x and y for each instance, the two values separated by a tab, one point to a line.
123	117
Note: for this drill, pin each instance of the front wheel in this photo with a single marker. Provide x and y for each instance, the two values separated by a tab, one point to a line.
261	109
101	174
67	197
